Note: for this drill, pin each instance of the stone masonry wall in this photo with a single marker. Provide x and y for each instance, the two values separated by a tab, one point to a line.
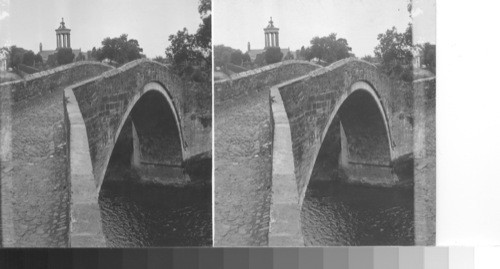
257	79
104	100
47	81
425	161
310	100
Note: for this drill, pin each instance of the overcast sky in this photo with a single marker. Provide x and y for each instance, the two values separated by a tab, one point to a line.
359	21
26	23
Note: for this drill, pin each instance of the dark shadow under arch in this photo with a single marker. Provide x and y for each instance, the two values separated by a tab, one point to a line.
149	136
356	144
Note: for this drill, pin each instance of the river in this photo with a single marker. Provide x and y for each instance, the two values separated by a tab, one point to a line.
336	213
136	213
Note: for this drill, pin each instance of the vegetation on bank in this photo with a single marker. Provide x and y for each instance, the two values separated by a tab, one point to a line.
190	55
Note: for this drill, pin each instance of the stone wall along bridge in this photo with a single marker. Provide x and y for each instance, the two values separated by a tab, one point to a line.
350	111
30	108
170	121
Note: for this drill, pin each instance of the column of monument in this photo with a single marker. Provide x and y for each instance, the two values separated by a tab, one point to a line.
277	39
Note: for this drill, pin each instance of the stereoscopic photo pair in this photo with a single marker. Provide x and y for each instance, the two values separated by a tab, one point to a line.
217	123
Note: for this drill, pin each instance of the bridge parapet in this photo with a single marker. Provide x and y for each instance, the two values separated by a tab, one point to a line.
257	79
47	81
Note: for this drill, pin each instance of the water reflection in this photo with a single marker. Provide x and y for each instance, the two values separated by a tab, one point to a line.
336	213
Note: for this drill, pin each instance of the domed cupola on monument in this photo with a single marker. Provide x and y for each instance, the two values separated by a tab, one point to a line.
271	34
63	38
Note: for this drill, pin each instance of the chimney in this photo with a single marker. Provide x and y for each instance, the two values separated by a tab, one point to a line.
248	46
40	46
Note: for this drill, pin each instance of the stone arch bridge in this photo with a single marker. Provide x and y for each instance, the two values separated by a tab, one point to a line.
373	129
169	119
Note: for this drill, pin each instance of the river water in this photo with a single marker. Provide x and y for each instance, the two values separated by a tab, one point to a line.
140	214
336	213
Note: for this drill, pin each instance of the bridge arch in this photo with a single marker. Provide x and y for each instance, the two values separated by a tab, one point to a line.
149	115
358	132
362	86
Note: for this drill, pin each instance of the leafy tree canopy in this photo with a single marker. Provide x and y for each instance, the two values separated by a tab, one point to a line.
273	55
119	49
38	59
246	58
237	57
29	58
80	57
188	50
394	48
394	51
288	56
327	48
429	56
16	56
183	49
222	54
64	56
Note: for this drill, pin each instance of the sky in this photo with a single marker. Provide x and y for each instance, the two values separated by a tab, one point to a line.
359	21
26	23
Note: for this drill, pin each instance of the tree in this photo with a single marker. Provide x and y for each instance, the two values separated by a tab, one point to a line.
80	57
260	59
246	58
429	56
288	56
38	59
16	56
395	52
94	54
119	49
369	59
273	55
161	60
52	60
204	33
29	58
237	57
222	55
189	50
182	49
394	48
64	56
328	49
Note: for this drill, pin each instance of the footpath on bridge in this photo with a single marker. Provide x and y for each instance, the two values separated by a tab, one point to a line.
242	171
35	189
40	190
243	153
